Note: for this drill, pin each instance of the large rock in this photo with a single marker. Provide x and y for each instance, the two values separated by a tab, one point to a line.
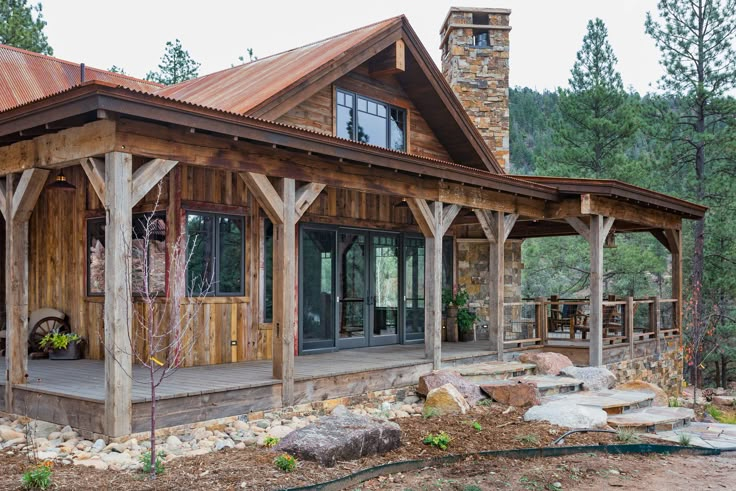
513	393
348	437
593	378
7	433
438	378
660	397
547	363
568	415
445	400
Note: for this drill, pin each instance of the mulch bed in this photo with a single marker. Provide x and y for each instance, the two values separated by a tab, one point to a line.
253	468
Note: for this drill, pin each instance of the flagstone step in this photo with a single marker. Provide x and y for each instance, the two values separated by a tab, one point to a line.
612	401
653	419
483	373
550	385
705	435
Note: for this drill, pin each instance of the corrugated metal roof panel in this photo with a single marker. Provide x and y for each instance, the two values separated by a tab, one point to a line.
241	88
26	76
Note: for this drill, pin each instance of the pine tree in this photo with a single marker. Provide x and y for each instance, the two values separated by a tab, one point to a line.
176	65
597	119
21	25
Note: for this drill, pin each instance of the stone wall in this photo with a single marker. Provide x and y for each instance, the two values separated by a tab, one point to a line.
479	75
472	274
664	370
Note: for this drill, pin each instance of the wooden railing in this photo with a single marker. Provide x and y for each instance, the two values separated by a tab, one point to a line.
539	321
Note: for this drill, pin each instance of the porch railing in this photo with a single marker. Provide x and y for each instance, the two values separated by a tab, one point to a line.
541	321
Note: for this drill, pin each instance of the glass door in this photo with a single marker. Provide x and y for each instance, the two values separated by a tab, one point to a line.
384	299
413	289
317	289
353	288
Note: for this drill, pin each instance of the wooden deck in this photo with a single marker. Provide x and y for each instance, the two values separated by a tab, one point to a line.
73	392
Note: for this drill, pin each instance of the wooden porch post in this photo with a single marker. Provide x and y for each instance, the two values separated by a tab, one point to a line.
17	203
674	238
284	207
118	293
497	226
434	220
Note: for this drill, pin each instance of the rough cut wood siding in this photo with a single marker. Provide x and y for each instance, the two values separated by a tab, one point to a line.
316	113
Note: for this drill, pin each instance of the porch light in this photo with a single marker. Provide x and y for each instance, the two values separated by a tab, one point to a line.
401	204
61	184
610	242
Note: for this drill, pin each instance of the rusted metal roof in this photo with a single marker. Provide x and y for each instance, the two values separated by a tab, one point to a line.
26	76
242	88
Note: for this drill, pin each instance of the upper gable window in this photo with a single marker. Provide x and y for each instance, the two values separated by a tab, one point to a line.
378	123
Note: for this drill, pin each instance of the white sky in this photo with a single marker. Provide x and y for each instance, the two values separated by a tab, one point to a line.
545	37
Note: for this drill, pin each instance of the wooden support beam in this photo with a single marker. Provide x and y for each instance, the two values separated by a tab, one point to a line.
284	282
655	319
94	168
596	239
629	325
390	61
423	215
607	226
487	221
266	195
118	305
580	227
19	201
509	222
148	175
662	238
674	239
599	205
496	284
305	196
449	213
3	201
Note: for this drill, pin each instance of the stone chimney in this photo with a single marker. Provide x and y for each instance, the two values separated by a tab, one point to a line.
475	61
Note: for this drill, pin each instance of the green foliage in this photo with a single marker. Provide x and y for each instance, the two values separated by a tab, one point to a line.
626	436
477	426
530	439
485	402
38	477
270	441
472	487
59	340
430	412
145	459
176	65
720	416
674	402
684	439
440	440
465	319
285	462
21	25
117	69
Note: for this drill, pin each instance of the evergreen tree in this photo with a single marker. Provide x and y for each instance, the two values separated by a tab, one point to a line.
176	65
21	25
597	120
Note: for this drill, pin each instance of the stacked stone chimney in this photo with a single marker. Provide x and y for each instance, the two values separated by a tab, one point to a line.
475	61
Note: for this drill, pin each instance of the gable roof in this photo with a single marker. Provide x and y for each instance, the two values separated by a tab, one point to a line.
26	76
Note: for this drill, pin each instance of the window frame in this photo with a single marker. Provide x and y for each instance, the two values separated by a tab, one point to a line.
216	292
354	112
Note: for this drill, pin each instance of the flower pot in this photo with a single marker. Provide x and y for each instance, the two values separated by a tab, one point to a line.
466	336
72	352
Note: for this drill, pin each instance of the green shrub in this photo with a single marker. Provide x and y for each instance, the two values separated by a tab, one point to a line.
270	441
528	439
674	402
430	412
485	402
58	340
440	440
626	436
145	459
684	439
38	476
285	462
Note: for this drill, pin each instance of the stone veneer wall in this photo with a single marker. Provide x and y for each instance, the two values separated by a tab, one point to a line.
479	76
472	274
663	370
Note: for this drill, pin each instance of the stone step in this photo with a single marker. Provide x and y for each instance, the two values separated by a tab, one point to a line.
483	373
653	419
550	385
611	401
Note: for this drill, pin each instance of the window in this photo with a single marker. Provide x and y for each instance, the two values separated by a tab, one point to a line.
267	270
154	268
215	250
366	120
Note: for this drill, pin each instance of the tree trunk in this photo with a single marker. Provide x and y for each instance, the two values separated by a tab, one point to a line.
718	374
724	371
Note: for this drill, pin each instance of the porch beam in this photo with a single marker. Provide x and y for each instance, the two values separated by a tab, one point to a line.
661	238
580	227
94	168
118	305
509	222
449	213
19	201
674	239
305	196
148	175
423	215
3	200
266	195
599	205
596	290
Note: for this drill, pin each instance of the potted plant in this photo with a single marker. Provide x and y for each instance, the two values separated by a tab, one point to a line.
465	318
450	319
62	345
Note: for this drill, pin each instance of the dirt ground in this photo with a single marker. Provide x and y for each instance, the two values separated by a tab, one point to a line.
253	468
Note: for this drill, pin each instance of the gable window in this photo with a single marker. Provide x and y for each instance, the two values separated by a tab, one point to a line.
215	254
367	120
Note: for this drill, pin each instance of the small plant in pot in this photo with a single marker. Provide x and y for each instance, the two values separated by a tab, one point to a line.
465	317
62	345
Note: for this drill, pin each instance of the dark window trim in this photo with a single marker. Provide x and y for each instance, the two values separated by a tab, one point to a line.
215	292
354	110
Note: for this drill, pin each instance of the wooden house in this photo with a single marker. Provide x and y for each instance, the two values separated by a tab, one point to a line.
331	188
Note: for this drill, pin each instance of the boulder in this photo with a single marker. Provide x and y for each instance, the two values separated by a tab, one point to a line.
280	431
445	400
660	397
438	378
513	393
173	442
94	463
7	434
568	415
546	363
42	429
593	378
348	437
724	400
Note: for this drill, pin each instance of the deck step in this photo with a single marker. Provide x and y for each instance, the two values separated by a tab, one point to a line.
653	419
550	385
495	370
613	402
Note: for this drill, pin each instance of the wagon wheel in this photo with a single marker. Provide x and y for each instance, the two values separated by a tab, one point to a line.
42	328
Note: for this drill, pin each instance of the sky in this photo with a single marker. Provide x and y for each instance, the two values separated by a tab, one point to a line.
545	34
